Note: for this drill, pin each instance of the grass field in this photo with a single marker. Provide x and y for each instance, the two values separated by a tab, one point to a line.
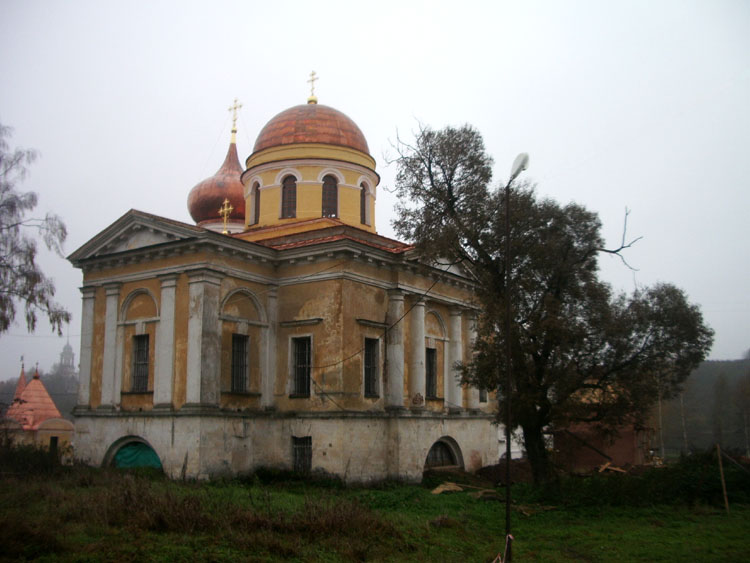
84	514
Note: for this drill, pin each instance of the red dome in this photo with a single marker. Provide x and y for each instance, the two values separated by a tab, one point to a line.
311	123
207	197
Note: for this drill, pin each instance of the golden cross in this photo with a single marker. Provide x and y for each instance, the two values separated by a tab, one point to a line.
233	108
313	78
225	211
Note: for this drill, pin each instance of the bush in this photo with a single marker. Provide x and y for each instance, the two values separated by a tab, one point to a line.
692	480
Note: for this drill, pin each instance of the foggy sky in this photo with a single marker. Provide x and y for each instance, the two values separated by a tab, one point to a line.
637	105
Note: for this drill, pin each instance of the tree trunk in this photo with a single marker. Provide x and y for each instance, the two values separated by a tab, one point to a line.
684	428
536	450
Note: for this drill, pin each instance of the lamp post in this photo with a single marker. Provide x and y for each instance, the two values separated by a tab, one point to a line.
520	164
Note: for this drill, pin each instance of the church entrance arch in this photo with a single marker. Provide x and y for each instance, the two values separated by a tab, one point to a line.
444	453
131	452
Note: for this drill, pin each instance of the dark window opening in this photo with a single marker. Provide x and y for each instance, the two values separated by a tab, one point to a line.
289	197
330	197
302	454
140	363
440	455
431	372
301	348
53	446
239	362
483	395
256	204
363	204
372	346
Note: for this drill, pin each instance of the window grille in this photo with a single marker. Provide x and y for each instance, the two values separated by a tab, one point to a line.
289	197
363	204
140	363
431	372
302	454
371	366
330	197
301	359
440	455
239	362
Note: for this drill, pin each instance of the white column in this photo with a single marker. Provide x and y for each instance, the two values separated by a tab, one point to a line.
87	342
456	355
268	365
204	340
164	361
417	388
473	391
109	354
394	352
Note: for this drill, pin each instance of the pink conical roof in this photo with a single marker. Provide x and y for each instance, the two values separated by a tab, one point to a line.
21	385
34	406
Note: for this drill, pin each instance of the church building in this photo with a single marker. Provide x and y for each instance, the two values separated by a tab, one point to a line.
280	330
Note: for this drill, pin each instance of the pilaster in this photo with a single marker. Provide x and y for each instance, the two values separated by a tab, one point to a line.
164	361
87	343
394	367
204	339
417	387
109	354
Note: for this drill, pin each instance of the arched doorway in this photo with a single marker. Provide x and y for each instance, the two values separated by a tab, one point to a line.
444	453
132	452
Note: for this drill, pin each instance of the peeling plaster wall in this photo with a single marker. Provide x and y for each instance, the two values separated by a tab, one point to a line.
357	448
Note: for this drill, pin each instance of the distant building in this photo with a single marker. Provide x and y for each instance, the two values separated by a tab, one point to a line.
33	418
299	338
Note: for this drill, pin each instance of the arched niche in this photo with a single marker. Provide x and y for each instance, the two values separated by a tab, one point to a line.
445	452
131	452
139	304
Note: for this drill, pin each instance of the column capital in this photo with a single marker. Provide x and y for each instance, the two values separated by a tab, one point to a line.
88	291
395	295
112	289
205	275
168	280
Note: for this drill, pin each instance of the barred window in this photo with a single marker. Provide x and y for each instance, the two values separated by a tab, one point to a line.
301	362
330	196
140	363
289	197
239	362
302	454
256	204
431	372
372	346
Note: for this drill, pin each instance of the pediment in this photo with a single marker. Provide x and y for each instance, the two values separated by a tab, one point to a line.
134	230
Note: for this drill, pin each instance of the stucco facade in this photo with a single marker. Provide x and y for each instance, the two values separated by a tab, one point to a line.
304	334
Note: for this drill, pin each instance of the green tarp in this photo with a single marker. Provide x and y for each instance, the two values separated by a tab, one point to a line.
136	454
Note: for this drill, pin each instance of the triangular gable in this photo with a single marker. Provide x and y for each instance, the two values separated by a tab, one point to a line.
132	231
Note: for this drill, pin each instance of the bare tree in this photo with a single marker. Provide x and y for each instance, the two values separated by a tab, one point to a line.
21	279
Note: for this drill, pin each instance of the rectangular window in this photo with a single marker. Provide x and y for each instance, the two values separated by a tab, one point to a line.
301	363
140	363
239	362
302	454
372	347
431	372
483	395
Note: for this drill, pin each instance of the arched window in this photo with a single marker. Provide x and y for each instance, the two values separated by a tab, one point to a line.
289	197
256	203
330	196
363	203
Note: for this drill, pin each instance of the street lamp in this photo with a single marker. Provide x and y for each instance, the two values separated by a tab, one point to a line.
520	164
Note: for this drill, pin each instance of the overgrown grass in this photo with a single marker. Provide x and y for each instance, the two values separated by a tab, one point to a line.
691	481
84	514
